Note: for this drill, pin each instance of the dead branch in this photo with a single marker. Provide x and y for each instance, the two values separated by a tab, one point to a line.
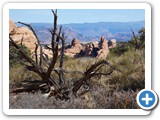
36	48
134	36
35	51
54	46
31	86
22	41
62	51
32	62
91	72
34	67
30	27
54	29
41	56
138	41
61	76
47	47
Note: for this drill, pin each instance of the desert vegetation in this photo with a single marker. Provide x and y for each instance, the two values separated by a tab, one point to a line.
41	82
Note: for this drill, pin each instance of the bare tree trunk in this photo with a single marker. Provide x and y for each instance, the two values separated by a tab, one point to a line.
41	56
38	68
35	51
61	76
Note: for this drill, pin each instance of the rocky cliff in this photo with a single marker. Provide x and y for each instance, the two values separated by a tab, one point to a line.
17	33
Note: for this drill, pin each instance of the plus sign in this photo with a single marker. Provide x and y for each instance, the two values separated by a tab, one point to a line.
147	99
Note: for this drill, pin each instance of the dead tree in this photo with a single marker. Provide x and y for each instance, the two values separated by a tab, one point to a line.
58	89
45	73
139	40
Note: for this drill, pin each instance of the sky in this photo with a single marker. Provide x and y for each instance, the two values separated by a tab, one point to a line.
66	16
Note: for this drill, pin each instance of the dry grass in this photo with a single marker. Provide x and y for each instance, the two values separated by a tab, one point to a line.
117	91
19	74
96	99
132	65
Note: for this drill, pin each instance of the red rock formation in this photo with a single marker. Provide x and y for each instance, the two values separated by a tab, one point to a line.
75	48
12	26
112	43
103	48
16	33
88	49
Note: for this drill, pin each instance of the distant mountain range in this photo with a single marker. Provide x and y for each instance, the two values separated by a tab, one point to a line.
86	32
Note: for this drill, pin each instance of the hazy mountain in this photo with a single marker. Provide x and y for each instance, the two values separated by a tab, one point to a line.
90	31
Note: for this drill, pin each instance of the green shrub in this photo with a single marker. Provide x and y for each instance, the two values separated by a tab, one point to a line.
15	57
120	49
132	67
138	41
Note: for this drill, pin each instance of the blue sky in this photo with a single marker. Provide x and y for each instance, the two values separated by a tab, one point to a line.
66	16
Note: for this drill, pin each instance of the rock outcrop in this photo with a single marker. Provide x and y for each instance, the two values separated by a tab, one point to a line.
74	49
112	43
103	48
88	49
17	33
91	49
12	26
